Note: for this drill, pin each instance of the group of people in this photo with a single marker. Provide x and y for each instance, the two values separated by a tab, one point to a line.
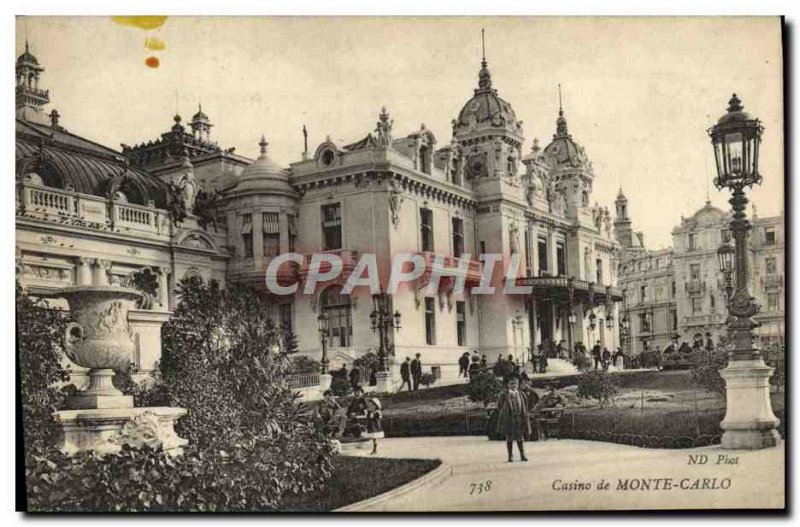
353	375
363	414
411	373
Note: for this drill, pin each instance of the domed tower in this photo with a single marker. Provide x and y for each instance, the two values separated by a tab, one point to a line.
201	125
571	175
261	210
29	98
623	228
489	133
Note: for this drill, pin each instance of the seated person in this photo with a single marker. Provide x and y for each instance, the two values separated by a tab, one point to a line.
331	418
552	399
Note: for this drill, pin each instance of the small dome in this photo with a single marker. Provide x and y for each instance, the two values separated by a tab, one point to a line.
200	116
735	112
563	150
709	215
264	175
27	57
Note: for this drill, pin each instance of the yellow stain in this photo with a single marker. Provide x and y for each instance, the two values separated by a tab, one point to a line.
142	22
155	44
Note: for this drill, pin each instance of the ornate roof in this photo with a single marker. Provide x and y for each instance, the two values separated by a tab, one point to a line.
708	215
485	109
28	59
200	116
563	150
63	159
264	175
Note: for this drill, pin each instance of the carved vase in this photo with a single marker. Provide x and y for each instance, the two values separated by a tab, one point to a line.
99	338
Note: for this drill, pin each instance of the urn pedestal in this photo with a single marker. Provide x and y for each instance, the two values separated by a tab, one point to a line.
100	417
749	422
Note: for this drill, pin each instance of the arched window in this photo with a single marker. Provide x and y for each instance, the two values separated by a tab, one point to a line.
340	321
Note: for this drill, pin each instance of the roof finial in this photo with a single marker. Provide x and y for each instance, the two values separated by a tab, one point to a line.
560	107
263	145
483	47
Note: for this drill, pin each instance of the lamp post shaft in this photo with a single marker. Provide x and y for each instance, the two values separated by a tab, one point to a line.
324	362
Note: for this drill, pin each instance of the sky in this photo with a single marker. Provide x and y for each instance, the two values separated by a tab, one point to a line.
638	93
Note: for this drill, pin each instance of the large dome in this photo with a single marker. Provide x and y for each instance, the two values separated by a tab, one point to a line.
485	109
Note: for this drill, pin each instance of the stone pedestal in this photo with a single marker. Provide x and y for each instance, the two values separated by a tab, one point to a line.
105	430
749	422
325	380
385	384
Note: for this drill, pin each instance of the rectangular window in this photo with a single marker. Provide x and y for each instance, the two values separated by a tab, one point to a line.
292	221
542	248
692	241
771	266
694	271
483	247
430	321
461	323
599	267
643	293
772	302
561	259
247	234
674	289
644	322
673	320
769	236
713	303
332	226
725	235
697	306
426	229
271	236
458	237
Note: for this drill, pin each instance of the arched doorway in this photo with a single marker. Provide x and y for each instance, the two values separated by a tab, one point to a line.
340	320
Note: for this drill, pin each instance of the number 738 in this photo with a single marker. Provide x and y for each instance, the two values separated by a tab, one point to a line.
480	487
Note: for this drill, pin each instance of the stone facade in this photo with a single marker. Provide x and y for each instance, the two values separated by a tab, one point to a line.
682	288
182	204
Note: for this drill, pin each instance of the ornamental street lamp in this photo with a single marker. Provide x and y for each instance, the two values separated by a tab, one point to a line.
322	326
383	321
592	321
727	255
749	421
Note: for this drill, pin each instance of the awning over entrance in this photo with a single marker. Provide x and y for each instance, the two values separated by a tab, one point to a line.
561	288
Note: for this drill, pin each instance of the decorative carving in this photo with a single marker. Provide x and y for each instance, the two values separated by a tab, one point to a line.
395	201
205	208
383	128
513	238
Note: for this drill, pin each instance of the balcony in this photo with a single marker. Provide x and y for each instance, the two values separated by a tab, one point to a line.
694	287
558	287
68	207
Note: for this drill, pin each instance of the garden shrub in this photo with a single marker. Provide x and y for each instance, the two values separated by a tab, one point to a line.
582	362
484	388
427	379
300	364
598	385
251	443
340	386
706	365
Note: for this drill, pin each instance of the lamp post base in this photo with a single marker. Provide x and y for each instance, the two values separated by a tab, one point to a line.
384	382
749	422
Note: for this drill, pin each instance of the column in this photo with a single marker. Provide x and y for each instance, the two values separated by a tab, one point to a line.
163	287
101	270
534	236
83	270
258	235
551	251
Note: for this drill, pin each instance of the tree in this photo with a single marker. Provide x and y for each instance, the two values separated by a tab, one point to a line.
484	388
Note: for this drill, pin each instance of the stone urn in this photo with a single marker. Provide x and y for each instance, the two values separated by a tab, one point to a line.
99	338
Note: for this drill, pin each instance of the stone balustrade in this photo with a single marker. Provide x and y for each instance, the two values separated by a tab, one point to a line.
85	210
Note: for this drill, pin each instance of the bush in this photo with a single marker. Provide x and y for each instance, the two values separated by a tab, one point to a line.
427	379
340	386
598	385
484	388
300	364
707	364
251	443
582	362
40	334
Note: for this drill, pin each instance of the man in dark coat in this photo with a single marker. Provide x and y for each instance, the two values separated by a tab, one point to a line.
405	374
355	376
513	418
474	367
606	359
463	364
596	355
709	342
416	371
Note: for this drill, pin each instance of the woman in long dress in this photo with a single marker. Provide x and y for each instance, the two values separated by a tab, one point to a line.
374	427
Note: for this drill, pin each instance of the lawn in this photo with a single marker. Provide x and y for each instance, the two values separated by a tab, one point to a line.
358	478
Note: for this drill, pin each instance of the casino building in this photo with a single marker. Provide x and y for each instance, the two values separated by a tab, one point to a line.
150	213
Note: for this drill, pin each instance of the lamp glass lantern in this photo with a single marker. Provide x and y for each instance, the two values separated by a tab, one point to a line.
396	317
726	255
610	321
592	320
323	323
736	138
571	319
